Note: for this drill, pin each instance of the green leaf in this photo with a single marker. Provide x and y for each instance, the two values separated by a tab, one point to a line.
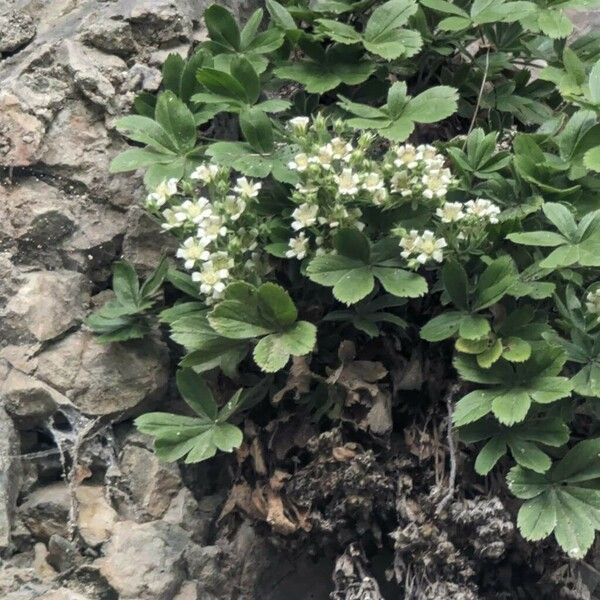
222	27
515	349
147	131
474	327
177	120
126	284
490	454
257	130
196	393
238	320
511	406
387	17
456	284
591	159
490	355
273	351
594	83
280	15
432	105
560	216
473	406
222	85
276	306
554	23
401	283
442	327
352	244
444	6
247	77
136	158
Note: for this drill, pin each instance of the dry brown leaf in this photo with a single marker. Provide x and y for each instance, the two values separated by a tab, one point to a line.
276	516
298	381
379	418
278	480
344	453
256	452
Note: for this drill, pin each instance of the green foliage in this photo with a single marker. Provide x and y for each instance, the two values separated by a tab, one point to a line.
124	317
476	257
396	119
353	270
561	500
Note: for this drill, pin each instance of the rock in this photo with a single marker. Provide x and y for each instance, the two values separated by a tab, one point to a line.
49	303
28	400
145	562
95	516
63	593
10	475
17	29
158	21
196	517
46	511
112	35
105	379
145	242
151	484
188	591
40	564
62	554
20	134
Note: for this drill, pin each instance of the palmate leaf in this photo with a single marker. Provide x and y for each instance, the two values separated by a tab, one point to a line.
353	270
383	33
339	64
563	500
396	119
268	313
576	244
516	387
521	440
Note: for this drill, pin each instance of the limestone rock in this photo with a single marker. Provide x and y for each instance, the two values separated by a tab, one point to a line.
95	516
46	511
110	34
10	474
163	20
49	303
63	593
20	134
188	591
105	379
145	241
151	484
145	562
28	400
16	30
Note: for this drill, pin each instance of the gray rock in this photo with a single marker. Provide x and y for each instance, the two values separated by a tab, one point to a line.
10	475
49	303
145	562
46	511
105	379
110	34
149	483
96	518
17	29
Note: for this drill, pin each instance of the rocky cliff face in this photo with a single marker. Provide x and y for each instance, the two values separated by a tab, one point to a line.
86	510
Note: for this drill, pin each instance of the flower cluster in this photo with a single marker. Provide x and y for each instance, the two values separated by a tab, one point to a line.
592	302
218	234
340	174
421	248
473	211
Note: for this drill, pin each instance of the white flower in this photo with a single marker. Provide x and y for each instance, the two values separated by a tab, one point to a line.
340	149
380	196
483	209
300	163
428	153
298	247
192	251
193	211
211	228
246	188
307	189
429	248
210	278
436	183
323	157
372	182
205	173
304	216
222	262
170	218
347	182
592	302
450	212
299	124
408	243
401	183
407	156
234	207
163	192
